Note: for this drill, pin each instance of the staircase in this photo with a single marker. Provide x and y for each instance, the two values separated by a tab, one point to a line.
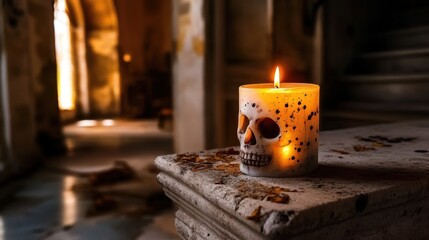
390	82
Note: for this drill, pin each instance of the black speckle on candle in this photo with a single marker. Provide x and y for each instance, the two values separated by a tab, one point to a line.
305	107
253	104
299	103
278	118
311	127
297	160
287	125
293	157
287	105
315	139
291	116
299	109
305	94
277	111
296	139
308	143
289	141
299	150
294	127
301	143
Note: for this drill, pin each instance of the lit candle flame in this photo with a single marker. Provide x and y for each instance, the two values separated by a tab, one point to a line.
277	78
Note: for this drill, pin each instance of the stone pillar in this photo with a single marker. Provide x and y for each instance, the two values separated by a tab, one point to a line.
44	77
102	57
29	113
19	128
188	72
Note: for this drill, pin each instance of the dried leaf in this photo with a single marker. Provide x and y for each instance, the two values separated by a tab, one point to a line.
233	168
200	168
255	215
257	191
362	148
281	198
380	144
230	151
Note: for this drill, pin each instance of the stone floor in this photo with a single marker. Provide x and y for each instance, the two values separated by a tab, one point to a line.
74	197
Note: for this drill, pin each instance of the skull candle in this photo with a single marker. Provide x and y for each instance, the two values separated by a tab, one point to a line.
278	129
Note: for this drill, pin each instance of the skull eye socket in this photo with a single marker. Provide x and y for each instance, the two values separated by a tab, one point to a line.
243	122
268	128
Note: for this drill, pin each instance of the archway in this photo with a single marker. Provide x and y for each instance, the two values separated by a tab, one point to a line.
86	36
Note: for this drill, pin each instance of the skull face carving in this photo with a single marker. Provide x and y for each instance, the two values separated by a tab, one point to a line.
278	130
257	133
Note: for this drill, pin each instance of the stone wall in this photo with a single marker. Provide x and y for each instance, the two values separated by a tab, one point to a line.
145	47
30	119
102	57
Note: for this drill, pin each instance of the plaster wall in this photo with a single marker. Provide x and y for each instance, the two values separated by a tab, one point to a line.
188	80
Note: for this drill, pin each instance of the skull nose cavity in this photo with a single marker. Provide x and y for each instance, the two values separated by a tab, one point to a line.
249	137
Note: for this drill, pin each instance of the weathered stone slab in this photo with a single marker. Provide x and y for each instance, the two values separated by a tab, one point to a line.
372	182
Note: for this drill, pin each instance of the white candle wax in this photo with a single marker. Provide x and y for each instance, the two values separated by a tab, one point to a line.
278	129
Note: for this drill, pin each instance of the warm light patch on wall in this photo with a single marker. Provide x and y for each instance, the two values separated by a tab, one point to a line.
63	48
127	57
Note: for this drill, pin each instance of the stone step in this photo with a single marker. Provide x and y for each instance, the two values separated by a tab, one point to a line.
392	62
340	118
411	18
397	109
402	38
387	88
358	113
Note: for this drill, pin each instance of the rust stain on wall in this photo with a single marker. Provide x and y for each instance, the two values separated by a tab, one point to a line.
198	45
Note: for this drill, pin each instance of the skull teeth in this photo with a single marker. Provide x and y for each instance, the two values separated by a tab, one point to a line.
253	159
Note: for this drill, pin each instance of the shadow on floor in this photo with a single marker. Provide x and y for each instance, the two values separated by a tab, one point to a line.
104	187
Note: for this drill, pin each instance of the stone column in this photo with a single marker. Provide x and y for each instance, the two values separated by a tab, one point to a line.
188	75
29	113
19	128
44	77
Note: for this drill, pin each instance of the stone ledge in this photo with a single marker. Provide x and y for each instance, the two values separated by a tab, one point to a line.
365	176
